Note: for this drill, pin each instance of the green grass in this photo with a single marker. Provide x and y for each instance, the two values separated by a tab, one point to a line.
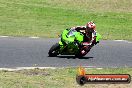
56	78
48	18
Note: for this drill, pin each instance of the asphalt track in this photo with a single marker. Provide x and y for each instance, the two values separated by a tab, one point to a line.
30	52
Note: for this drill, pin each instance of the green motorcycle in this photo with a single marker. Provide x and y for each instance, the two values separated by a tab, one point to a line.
71	43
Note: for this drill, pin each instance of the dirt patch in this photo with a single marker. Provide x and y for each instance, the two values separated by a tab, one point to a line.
34	72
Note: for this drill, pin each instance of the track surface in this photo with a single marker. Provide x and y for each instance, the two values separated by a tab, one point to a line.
28	52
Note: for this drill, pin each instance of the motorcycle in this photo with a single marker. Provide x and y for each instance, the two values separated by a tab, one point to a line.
74	45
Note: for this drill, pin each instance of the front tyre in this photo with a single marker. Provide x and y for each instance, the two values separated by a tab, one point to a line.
54	50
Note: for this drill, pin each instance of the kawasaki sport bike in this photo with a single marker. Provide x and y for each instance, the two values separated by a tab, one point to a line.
73	44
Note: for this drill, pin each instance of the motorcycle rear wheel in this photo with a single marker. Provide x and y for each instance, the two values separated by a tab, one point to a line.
83	51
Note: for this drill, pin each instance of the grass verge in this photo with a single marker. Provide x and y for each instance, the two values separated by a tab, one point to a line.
56	78
48	18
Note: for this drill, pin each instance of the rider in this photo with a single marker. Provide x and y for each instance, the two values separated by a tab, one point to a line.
88	31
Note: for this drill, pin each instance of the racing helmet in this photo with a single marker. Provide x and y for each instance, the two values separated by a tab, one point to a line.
90	27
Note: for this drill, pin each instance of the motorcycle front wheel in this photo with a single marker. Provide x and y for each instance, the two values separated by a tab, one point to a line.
54	50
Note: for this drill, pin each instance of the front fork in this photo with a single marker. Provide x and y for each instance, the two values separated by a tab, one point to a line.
62	46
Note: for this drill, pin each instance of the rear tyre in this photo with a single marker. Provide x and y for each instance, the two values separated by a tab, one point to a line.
83	51
54	50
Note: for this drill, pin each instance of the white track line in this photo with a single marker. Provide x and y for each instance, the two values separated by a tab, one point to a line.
28	68
123	41
34	37
119	40
12	36
39	37
4	36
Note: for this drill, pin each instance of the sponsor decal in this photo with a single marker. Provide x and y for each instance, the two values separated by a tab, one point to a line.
83	78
